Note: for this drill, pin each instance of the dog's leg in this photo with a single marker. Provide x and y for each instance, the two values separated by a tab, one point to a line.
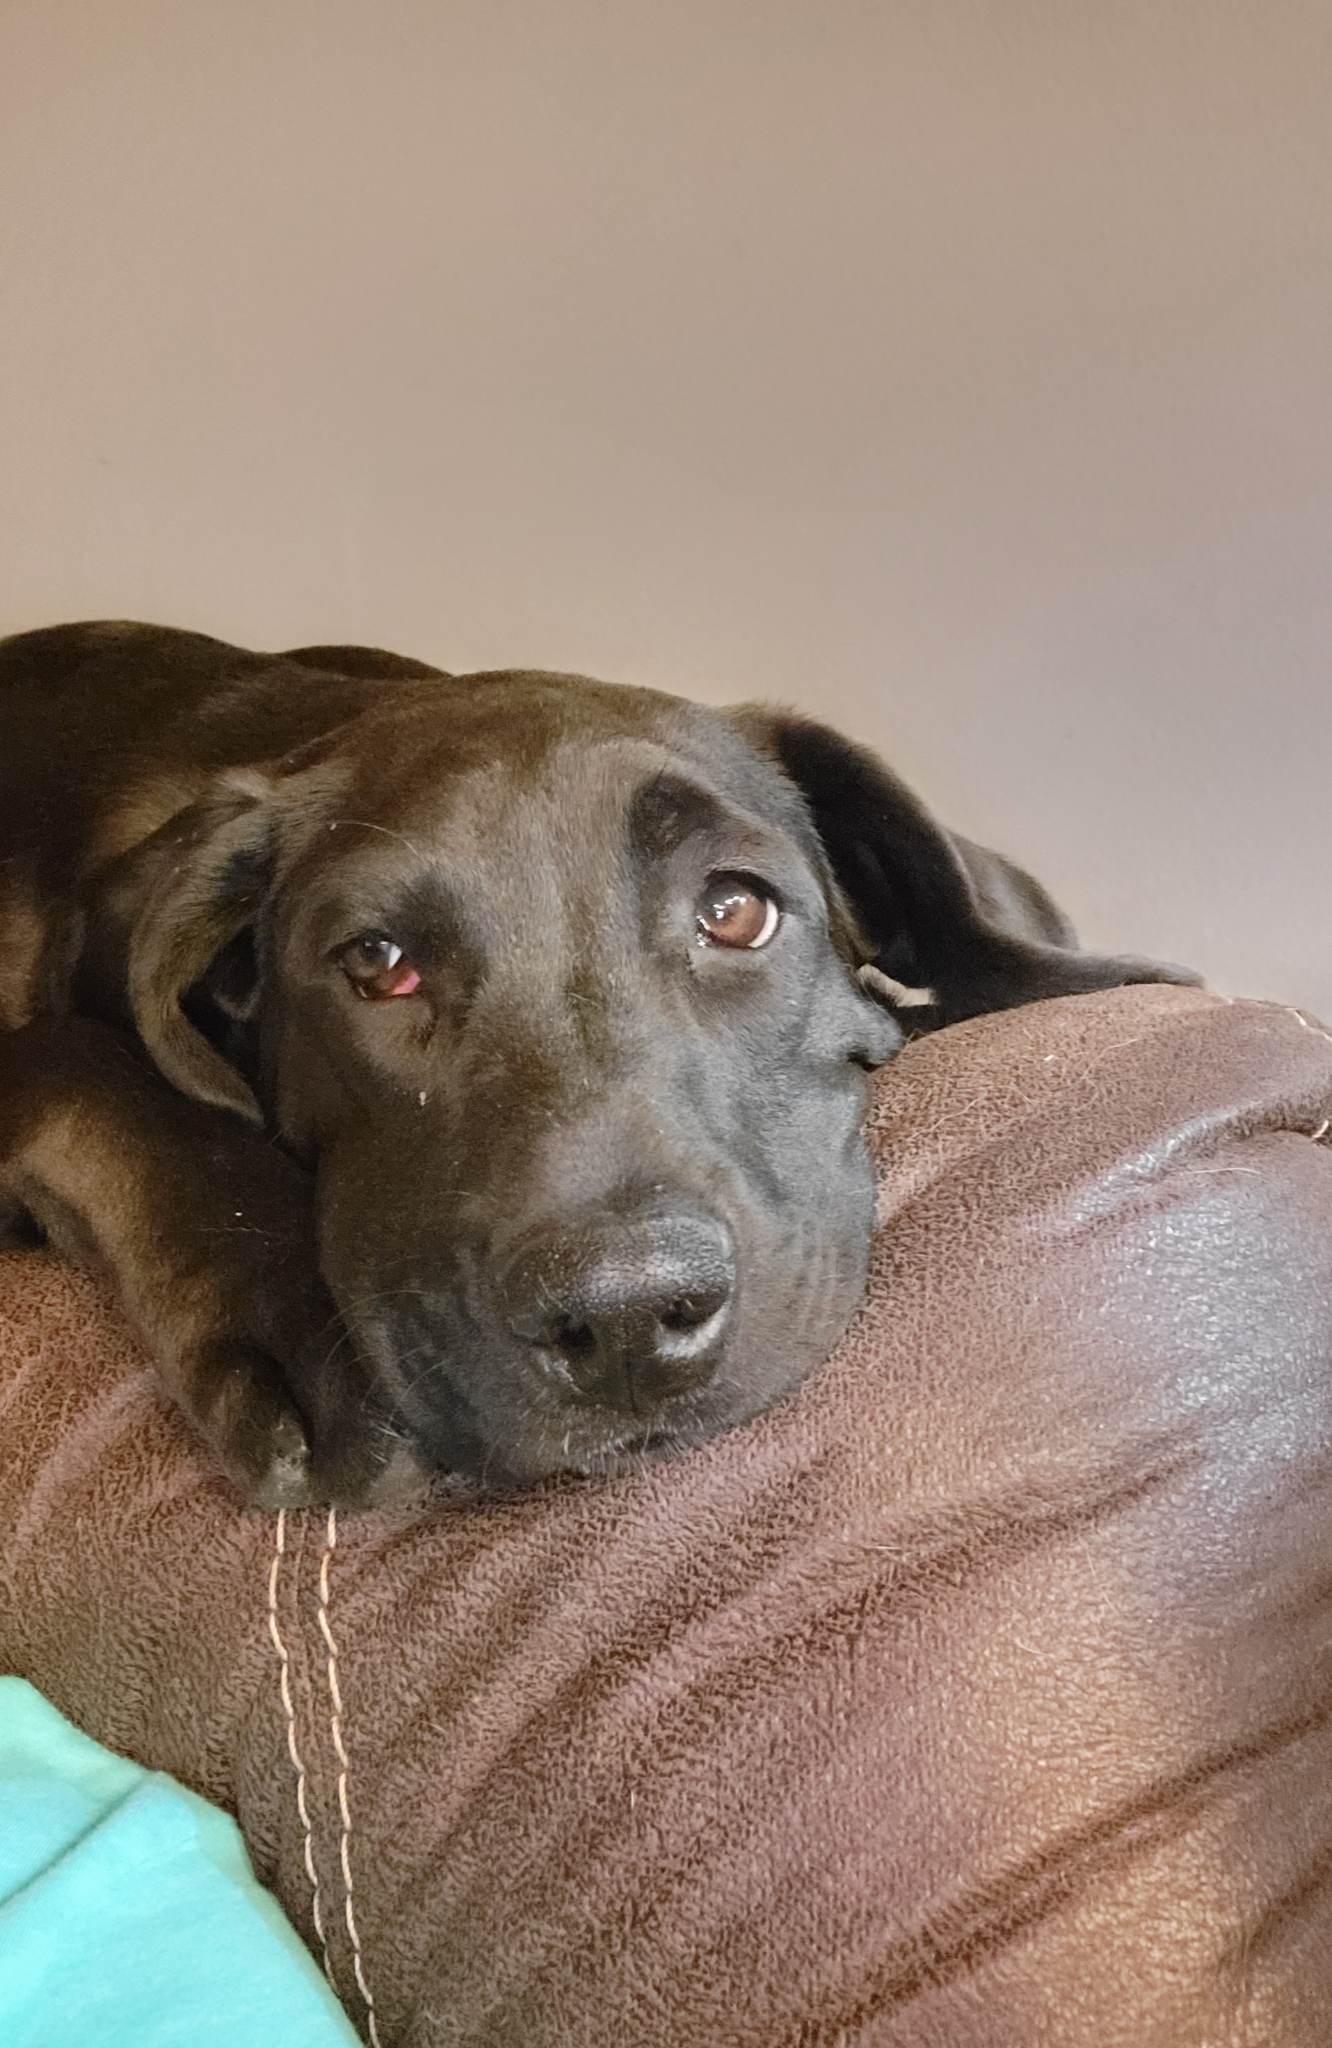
206	1230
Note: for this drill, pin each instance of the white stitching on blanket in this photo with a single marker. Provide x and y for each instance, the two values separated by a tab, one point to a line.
344	1800
284	1686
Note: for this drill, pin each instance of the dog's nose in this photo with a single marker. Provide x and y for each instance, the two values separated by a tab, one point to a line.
627	1310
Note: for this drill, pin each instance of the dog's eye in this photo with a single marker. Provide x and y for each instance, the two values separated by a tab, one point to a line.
377	967
735	912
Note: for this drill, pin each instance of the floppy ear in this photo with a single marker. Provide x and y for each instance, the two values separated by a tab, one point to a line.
938	926
192	890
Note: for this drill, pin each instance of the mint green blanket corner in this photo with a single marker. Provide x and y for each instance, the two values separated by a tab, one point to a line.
129	1915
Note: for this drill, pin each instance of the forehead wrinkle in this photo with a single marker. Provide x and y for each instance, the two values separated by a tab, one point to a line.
667	809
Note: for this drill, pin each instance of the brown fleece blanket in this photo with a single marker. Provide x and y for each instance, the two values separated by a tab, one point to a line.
979	1697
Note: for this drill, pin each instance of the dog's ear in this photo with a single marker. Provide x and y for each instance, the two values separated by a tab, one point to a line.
190	899
939	927
188	894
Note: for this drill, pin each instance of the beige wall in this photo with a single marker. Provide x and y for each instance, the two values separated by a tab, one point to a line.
961	371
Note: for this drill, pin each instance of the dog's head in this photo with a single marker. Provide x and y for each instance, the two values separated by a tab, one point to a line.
568	994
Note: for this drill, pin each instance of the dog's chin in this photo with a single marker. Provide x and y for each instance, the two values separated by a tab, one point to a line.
499	1453
515	1456
519	1466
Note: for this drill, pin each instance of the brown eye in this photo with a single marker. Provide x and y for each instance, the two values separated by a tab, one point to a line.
734	912
377	967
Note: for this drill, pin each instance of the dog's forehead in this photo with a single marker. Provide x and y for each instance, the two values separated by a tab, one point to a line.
498	752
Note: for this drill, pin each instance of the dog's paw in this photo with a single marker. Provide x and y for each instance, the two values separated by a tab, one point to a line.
252	1428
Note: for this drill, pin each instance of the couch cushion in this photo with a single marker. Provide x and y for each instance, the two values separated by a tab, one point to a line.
981	1694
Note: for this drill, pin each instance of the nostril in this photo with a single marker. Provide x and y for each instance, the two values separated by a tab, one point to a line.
685	1315
689	1312
575	1340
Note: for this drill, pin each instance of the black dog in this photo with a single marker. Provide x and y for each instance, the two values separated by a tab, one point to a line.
462	1071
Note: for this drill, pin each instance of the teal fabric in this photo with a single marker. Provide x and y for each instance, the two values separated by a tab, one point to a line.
129	1915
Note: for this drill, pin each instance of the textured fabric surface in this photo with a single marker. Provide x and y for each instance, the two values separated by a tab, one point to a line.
129	1916
978	1697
